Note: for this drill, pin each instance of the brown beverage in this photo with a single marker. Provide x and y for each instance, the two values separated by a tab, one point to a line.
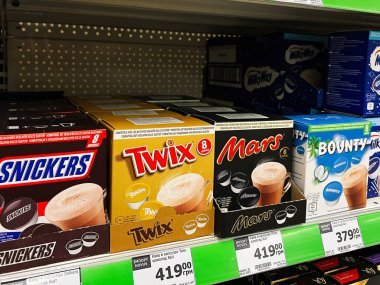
354	183
269	178
78	206
184	193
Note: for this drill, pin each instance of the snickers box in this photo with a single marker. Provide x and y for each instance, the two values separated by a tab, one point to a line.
161	178
252	186
52	190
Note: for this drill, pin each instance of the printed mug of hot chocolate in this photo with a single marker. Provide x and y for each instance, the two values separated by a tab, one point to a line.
185	193
354	182
78	206
272	180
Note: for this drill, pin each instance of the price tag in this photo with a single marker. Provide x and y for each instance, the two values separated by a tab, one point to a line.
259	253
306	2
173	267
341	236
71	277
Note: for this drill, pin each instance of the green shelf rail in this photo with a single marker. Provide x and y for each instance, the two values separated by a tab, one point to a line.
216	262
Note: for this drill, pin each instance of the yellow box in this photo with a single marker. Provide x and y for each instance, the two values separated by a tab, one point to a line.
161	179
106	105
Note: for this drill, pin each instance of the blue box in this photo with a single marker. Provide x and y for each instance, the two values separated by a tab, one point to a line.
374	159
354	73
330	163
280	68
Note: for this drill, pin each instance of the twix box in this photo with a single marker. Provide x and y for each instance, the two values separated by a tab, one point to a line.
161	179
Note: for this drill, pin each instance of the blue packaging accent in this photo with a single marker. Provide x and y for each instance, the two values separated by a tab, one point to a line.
374	160
252	71
6	236
354	73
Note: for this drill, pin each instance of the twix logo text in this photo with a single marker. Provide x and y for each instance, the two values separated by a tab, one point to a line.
159	159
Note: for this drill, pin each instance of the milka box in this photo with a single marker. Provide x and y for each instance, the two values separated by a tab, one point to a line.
330	162
374	160
239	70
353	83
161	179
303	63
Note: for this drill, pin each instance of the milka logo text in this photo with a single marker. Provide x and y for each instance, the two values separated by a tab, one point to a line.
297	53
140	235
244	149
172	155
342	146
17	171
259	77
244	222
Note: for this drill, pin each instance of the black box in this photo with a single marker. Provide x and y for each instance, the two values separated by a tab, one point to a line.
252	169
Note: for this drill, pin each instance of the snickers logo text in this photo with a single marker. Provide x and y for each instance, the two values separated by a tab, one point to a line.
40	168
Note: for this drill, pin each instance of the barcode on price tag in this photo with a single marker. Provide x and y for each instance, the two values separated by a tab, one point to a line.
173	267
341	236
71	277
261	252
306	2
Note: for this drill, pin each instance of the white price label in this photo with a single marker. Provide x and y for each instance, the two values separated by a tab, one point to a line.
341	236
261	252
71	277
306	2
173	267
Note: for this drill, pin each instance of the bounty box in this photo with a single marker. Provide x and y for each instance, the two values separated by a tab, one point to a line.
252	166
330	162
353	84
161	179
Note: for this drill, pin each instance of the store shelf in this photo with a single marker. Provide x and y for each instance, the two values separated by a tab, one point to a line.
214	260
249	16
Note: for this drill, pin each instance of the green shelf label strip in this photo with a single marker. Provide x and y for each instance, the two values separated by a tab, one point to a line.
217	262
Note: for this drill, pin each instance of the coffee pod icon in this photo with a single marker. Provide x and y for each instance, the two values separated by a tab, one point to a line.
19	214
332	193
89	239
137	194
74	246
239	181
202	220
190	227
248	198
149	210
224	177
281	217
290	211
